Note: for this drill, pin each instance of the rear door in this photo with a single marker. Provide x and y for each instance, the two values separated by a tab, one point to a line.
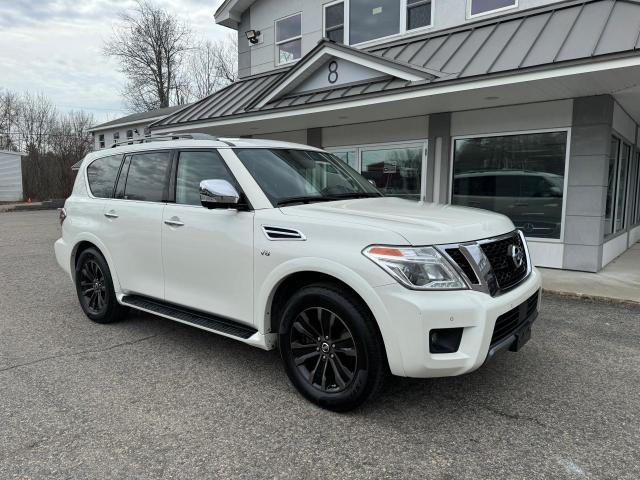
207	254
133	220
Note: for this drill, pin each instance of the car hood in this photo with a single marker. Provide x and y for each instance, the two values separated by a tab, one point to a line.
419	223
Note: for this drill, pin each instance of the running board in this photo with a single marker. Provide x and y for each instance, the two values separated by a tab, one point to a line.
197	319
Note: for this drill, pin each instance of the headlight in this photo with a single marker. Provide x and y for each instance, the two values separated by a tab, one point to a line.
421	268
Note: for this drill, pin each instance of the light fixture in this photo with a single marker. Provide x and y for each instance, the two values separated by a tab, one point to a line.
252	36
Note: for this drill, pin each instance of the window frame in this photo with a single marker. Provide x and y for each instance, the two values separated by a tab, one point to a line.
567	157
635	184
470	15
277	42
101	141
403	24
345	23
627	207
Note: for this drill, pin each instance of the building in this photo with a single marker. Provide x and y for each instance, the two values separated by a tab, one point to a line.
127	128
526	107
10	176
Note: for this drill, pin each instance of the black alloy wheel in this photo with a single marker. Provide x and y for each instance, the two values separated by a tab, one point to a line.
323	349
332	350
95	288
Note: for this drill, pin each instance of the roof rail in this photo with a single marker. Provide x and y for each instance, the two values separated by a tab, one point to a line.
164	137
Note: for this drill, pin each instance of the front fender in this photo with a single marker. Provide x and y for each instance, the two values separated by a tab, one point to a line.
368	294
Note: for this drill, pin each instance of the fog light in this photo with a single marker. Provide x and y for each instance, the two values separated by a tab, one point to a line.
445	340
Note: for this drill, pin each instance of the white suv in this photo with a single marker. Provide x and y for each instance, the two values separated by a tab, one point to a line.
279	244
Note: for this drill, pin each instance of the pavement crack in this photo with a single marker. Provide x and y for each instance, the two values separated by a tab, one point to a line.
82	352
514	416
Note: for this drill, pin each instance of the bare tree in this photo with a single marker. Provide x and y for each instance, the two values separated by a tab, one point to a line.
150	44
9	114
36	121
213	65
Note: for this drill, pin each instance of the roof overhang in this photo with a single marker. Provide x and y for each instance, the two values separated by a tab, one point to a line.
228	14
141	121
616	76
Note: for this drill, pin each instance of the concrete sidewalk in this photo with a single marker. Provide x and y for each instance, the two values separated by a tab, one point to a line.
618	281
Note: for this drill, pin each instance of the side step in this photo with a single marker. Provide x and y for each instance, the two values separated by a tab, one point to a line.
191	317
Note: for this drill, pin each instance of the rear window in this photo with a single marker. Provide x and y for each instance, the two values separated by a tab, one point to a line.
148	177
102	175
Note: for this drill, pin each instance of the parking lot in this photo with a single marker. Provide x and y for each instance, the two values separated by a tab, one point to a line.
149	398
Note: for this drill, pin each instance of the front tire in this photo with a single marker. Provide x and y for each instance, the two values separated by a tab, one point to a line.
94	286
330	347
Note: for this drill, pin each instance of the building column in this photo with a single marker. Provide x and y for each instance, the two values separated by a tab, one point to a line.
587	182
438	158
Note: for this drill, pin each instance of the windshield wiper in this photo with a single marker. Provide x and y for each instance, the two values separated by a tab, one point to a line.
343	196
304	199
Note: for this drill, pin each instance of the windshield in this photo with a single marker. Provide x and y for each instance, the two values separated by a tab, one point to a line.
302	176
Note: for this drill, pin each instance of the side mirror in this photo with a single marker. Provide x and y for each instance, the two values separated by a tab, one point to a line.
218	194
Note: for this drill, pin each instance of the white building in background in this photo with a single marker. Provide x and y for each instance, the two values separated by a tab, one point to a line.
526	107
10	176
131	127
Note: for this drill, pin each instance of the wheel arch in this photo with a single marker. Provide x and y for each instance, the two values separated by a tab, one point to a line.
90	241
292	276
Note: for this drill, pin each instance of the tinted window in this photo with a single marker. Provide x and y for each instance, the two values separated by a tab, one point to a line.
369	20
148	175
482	6
193	167
102	175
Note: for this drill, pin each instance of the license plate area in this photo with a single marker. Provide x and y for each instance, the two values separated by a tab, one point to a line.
523	335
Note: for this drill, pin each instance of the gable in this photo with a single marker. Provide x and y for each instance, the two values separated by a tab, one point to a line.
336	72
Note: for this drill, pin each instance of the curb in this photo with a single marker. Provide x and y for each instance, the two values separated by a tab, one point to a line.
592	298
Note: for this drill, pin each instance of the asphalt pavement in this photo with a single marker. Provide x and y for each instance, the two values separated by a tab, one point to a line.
149	398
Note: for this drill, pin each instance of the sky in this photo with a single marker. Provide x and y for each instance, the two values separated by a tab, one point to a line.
54	47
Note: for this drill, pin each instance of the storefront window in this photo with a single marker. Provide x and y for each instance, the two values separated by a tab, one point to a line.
395	171
521	176
616	207
350	157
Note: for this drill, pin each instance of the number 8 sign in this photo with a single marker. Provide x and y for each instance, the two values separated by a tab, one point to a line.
333	72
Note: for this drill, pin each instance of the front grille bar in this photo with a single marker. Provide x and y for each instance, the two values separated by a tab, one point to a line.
485	279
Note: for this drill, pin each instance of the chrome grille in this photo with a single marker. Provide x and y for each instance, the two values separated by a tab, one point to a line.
507	273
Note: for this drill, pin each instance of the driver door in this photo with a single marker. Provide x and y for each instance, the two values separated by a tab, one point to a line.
207	254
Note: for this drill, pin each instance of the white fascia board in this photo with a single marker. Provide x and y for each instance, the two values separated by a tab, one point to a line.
11	152
322	56
143	121
433	90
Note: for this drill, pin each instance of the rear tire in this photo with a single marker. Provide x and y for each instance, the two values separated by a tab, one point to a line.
94	286
331	349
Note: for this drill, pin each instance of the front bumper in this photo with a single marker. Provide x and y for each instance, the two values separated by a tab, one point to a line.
414	313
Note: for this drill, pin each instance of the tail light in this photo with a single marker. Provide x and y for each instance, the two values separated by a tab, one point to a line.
62	215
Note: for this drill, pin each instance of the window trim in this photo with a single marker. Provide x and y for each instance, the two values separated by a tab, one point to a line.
567	157
277	42
403	33
627	221
417	143
470	15
345	23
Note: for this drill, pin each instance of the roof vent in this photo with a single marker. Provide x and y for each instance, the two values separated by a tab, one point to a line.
279	233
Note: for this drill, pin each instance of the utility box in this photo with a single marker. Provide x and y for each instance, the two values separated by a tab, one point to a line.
10	176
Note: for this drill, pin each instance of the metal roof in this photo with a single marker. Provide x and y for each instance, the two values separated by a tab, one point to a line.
138	117
535	38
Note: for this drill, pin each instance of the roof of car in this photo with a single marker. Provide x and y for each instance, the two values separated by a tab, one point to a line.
154	145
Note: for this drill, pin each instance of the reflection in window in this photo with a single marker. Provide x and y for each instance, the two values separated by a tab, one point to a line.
102	175
334	22
289	38
148	175
418	13
373	19
521	176
395	171
349	157
485	6
193	167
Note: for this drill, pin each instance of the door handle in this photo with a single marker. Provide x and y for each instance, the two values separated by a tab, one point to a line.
174	222
111	214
